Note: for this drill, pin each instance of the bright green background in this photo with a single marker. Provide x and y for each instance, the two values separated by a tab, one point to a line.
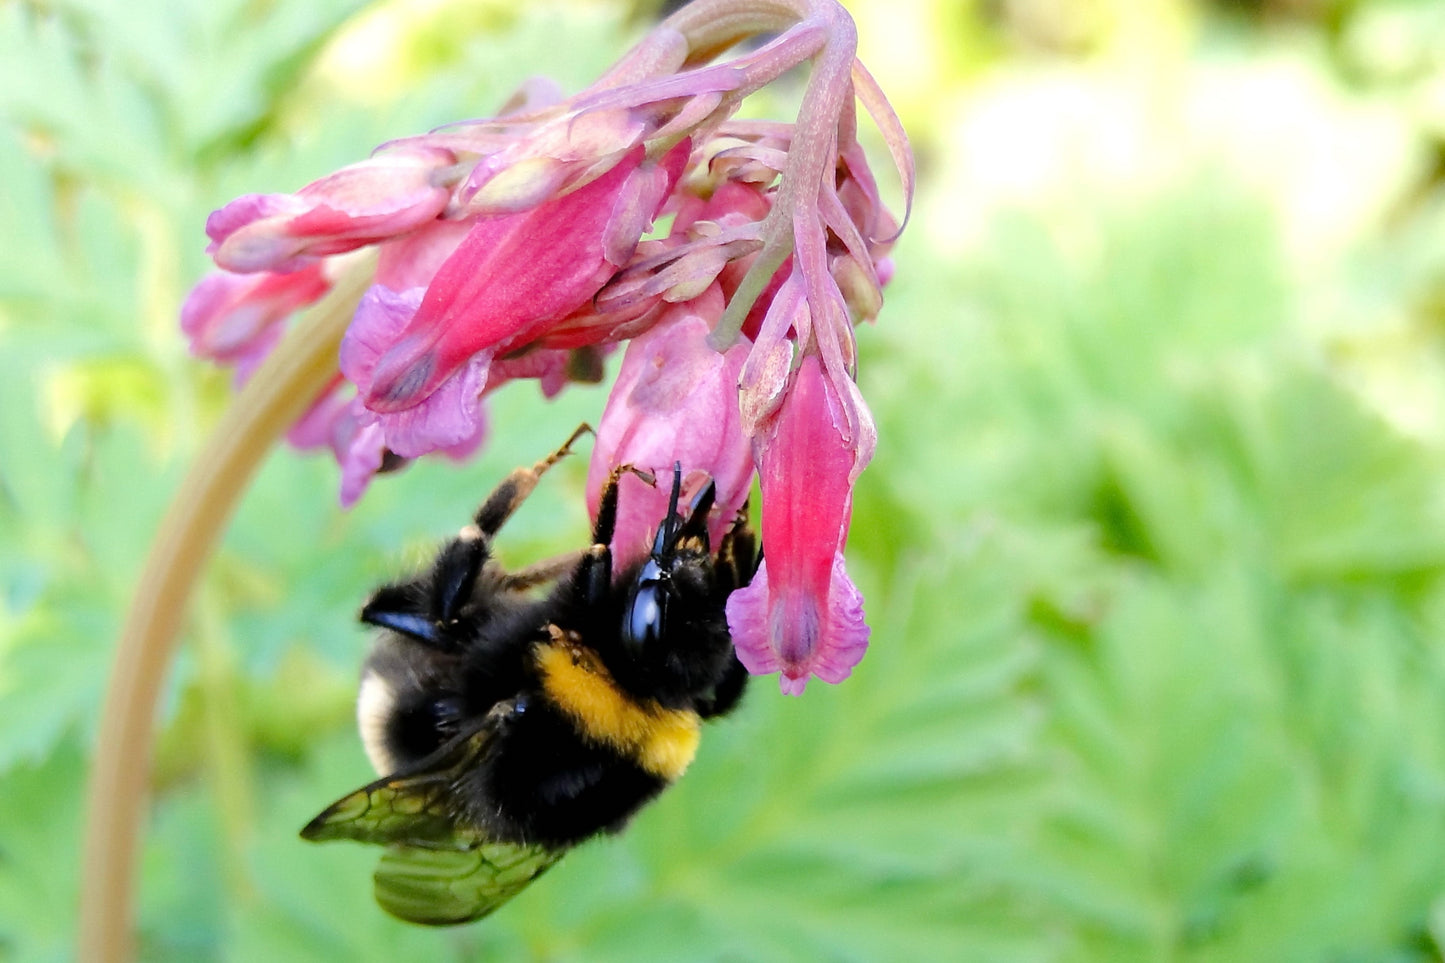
1153	545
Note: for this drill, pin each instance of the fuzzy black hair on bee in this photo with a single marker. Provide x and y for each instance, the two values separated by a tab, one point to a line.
513	715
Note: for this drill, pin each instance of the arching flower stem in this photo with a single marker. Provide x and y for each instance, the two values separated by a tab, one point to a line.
280	391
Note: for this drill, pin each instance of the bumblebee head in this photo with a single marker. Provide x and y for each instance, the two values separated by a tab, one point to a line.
661	583
669	631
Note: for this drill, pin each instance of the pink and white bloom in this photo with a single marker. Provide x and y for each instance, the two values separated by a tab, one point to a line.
517	247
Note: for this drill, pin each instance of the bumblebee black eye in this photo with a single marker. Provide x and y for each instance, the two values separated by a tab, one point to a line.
645	620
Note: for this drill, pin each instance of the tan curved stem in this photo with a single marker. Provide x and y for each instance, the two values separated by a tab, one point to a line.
283	387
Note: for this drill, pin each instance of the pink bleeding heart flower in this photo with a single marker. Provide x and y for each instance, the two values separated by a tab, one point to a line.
515	247
508	279
674	401
802	615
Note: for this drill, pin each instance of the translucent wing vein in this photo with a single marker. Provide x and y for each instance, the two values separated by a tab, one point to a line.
443	887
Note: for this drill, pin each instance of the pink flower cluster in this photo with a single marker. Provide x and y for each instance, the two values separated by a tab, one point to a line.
518	247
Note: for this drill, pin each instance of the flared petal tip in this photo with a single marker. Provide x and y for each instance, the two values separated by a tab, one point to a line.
796	634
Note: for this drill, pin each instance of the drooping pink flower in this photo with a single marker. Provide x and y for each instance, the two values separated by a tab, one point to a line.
225	314
674	400
375	199
453	412
517	247
802	615
509	277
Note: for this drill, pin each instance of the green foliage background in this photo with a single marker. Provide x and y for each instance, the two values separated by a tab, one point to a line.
1153	547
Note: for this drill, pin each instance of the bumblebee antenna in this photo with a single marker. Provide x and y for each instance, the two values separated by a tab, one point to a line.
666	539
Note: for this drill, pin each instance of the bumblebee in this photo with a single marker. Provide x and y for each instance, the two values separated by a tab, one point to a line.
517	714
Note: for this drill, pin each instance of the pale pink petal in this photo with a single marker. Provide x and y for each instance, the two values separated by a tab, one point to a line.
449	418
750	624
380	316
315	428
885	268
360	450
248	209
845	636
469	445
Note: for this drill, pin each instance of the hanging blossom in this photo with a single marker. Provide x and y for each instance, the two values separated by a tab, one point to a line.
523	247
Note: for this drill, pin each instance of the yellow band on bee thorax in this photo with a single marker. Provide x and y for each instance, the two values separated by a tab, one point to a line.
661	741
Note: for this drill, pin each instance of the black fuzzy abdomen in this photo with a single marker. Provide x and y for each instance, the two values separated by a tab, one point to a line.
545	783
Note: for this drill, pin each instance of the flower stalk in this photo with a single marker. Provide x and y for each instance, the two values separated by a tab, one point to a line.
272	400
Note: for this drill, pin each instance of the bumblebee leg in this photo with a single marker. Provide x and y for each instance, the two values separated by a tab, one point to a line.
425	615
460	562
398	608
606	525
515	488
423	609
737	556
593	578
547	570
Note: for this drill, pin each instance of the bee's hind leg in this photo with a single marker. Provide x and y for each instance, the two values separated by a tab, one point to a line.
539	573
425	615
461	561
738	555
737	559
514	489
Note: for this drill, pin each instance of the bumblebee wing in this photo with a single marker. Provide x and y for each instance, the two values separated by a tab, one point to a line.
440	887
437	871
414	807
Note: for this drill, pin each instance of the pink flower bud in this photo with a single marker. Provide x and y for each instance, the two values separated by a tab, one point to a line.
388	194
